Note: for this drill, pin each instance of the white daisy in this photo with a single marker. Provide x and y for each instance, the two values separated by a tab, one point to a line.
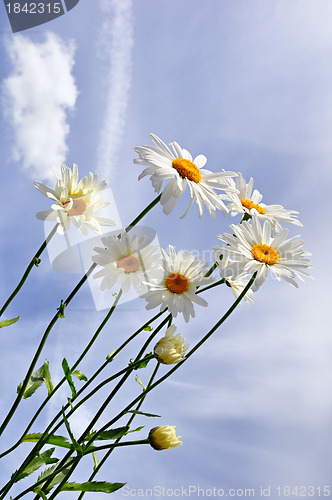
171	348
183	171
127	261
252	248
236	285
247	201
176	290
75	201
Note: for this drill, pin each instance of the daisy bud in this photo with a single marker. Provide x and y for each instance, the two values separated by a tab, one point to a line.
164	438
171	348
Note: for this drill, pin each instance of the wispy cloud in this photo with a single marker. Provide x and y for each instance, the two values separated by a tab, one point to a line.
115	48
36	97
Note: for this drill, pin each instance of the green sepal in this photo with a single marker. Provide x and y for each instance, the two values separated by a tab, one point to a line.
94	486
36	380
37	462
8	322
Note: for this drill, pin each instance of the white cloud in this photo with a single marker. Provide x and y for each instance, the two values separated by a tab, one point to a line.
115	47
36	98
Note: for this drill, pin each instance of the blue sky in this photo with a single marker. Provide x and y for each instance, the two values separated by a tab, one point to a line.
248	84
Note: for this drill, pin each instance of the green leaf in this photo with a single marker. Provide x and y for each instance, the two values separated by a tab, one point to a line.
79	375
136	412
68	377
40	493
37	462
47	377
111	356
136	430
148	328
56	480
52	439
95	487
106	435
61	310
36	380
8	322
76	446
139	381
143	363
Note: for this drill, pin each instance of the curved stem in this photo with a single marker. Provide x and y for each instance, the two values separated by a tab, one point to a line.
102	409
49	430
148	389
55	318
77	459
191	352
34	262
40	348
106	456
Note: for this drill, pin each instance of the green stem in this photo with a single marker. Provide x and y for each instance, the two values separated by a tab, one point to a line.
210	271
148	389
191	352
39	350
102	409
55	318
143	213
77	459
44	437
33	262
212	285
106	456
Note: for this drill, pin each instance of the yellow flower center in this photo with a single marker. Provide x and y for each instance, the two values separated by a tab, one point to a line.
177	283
78	207
129	263
265	253
249	205
187	169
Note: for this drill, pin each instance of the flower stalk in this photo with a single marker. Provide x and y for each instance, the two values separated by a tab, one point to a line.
35	261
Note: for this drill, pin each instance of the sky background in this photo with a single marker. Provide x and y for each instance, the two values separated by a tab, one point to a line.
248	84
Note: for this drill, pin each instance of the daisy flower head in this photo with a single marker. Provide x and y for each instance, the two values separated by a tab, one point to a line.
75	201
164	438
181	170
237	285
128	261
248	201
253	248
182	273
171	348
